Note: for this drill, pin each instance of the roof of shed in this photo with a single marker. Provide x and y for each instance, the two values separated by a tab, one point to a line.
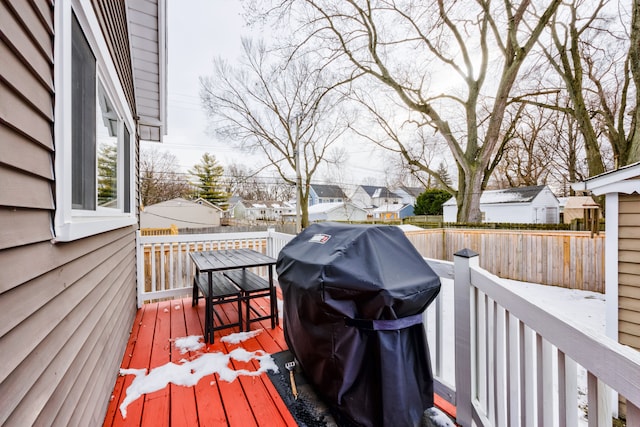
507	195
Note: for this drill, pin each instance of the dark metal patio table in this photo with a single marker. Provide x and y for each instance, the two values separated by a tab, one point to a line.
229	262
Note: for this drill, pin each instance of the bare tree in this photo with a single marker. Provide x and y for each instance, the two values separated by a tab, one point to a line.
407	46
244	183
525	156
590	51
286	110
566	159
633	136
160	177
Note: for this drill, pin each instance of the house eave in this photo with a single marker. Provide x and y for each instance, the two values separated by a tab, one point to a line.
618	181
148	45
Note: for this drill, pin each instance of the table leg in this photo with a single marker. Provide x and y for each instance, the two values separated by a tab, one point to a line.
208	316
247	299
273	300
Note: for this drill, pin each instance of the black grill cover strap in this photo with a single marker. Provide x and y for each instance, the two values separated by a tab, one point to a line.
385	325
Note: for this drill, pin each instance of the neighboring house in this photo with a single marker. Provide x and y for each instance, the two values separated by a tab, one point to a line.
325	194
576	207
81	83
409	195
371	196
182	213
524	205
393	211
346	211
266	210
622	250
235	209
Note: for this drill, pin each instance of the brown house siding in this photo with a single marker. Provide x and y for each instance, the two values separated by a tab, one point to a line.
629	270
65	309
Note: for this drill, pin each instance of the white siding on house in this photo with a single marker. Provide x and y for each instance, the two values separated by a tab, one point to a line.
181	213
336	212
504	206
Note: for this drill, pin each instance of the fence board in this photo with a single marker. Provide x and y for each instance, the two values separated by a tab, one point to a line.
569	259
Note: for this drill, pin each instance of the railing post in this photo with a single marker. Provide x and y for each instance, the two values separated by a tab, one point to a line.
270	243
139	268
462	261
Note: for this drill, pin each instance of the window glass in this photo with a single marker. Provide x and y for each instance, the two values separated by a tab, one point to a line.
83	113
107	125
126	184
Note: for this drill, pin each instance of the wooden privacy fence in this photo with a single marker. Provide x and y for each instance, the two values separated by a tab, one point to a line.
570	259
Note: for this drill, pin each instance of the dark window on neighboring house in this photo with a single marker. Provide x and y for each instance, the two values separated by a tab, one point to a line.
83	109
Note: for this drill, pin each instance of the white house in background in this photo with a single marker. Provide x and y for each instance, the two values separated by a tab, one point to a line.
235	208
409	195
182	213
266	210
346	211
524	205
371	196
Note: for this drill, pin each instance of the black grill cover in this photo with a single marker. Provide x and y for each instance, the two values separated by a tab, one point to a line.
353	303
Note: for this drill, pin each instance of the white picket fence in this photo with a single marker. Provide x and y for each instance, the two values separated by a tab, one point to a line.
514	364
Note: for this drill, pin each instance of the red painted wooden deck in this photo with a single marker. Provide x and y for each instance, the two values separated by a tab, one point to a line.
247	401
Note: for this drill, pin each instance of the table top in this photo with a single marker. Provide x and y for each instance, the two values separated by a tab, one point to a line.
229	259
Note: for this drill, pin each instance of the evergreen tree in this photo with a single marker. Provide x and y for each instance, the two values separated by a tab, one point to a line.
443	172
210	186
107	174
430	202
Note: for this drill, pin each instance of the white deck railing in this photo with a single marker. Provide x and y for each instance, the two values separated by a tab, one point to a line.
517	364
514	364
165	269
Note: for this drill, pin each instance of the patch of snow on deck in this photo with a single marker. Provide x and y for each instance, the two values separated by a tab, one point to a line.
188	373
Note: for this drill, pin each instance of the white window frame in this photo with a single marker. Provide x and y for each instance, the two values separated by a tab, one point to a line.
72	224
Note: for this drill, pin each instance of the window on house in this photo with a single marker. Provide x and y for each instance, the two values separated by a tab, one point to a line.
108	126
92	131
83	113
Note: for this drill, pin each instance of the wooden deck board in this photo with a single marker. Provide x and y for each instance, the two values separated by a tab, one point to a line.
183	400
156	404
209	409
246	401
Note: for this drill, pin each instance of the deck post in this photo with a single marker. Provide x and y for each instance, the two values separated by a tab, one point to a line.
140	280
270	243
462	261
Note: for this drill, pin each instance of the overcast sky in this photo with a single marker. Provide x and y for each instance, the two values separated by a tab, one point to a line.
198	32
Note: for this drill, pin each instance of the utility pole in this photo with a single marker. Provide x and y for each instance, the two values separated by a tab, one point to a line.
298	189
297	153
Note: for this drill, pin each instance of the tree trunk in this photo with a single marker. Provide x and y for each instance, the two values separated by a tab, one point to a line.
634	53
468	197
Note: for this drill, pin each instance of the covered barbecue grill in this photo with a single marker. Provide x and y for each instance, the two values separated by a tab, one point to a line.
353	303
